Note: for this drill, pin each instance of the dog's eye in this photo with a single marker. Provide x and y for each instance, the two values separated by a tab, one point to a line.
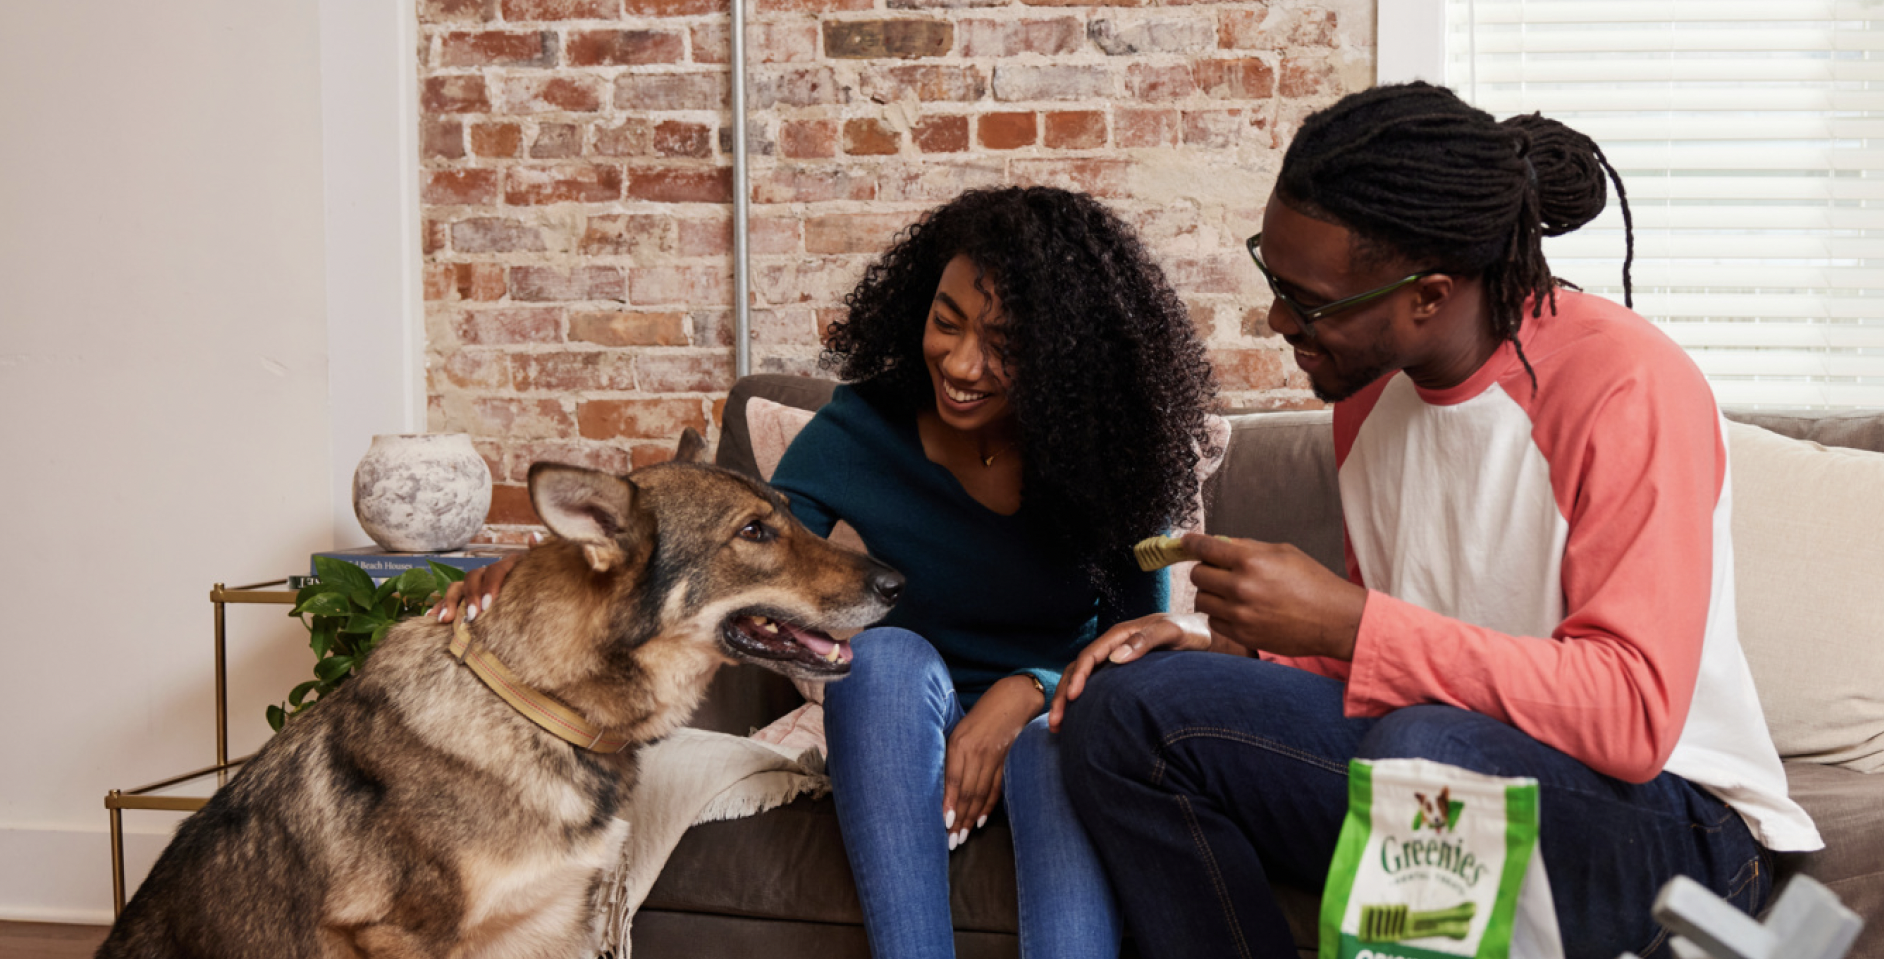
756	532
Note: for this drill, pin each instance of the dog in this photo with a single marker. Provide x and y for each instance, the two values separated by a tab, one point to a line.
416	813
1435	811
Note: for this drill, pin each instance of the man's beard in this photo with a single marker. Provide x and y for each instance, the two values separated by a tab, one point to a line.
1373	365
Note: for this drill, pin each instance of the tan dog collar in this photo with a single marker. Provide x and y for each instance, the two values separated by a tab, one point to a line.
538	707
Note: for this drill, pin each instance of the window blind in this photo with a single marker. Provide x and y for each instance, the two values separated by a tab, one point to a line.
1750	137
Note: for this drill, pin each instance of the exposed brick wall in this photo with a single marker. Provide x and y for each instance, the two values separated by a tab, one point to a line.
577	185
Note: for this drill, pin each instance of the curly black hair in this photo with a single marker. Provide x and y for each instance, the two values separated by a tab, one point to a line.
1416	172
1110	383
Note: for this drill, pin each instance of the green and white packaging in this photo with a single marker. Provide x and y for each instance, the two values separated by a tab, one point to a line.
1436	861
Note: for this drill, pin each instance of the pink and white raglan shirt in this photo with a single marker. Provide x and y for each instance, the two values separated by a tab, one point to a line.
1560	559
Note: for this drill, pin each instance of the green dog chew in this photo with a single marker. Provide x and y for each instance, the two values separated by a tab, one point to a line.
1392	923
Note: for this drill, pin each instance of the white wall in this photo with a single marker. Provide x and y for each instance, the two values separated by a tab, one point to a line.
1411	41
375	328
166	271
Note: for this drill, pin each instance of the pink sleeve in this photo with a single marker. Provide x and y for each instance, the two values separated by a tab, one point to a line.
1639	482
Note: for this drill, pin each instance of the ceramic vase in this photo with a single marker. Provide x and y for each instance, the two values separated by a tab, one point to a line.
421	492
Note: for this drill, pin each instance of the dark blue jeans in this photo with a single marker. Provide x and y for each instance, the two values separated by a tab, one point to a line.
887	727
1204	778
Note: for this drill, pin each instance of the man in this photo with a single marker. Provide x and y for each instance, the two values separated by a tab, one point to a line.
1540	582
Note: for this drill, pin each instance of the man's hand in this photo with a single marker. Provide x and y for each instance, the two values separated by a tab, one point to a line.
480	585
971	772
1275	598
1122	644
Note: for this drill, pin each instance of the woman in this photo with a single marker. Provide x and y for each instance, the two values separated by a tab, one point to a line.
1026	399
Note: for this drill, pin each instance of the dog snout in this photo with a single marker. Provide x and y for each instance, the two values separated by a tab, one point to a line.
886	583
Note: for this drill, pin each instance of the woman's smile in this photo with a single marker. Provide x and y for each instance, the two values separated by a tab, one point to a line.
962	347
962	397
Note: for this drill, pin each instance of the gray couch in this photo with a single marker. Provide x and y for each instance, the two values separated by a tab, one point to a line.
778	885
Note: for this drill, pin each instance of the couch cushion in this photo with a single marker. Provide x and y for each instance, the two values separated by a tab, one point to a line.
660	934
1277	484
1848	807
790	863
1808	548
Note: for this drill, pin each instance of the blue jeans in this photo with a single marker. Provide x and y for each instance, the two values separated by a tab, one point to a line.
887	726
1203	778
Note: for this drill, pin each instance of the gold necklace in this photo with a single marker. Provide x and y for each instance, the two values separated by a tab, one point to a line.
988	460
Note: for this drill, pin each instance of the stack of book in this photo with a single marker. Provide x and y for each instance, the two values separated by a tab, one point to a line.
383	565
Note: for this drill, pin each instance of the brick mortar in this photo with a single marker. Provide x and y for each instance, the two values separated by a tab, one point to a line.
653	215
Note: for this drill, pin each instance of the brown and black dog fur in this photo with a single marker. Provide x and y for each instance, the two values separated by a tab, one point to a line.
413	813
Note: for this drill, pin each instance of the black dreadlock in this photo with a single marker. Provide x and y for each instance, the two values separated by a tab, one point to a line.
1415	172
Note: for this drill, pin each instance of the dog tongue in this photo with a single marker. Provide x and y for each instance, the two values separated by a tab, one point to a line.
818	643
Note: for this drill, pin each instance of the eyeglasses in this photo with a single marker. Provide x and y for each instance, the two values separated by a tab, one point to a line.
1309	315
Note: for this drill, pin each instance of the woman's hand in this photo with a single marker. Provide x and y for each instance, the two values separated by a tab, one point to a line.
481	585
1122	644
971	772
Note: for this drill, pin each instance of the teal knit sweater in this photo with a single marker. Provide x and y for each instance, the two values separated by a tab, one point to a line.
992	600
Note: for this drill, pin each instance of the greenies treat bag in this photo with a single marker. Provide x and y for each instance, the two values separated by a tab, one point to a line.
1437	861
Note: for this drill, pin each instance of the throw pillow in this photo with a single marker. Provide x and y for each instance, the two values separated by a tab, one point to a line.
772	427
1808	545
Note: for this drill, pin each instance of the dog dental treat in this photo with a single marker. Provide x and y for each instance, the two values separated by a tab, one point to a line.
1394	922
1157	552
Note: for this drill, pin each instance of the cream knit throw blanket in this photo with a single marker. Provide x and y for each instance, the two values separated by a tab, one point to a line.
695	776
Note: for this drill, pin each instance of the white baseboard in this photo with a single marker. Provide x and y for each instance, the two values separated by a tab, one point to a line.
63	873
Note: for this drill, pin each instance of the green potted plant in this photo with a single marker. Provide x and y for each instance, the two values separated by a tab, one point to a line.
347	616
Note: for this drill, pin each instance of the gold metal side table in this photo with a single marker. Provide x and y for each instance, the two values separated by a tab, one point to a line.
189	791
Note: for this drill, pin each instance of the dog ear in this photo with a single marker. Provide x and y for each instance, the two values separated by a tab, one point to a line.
692	447
590	508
